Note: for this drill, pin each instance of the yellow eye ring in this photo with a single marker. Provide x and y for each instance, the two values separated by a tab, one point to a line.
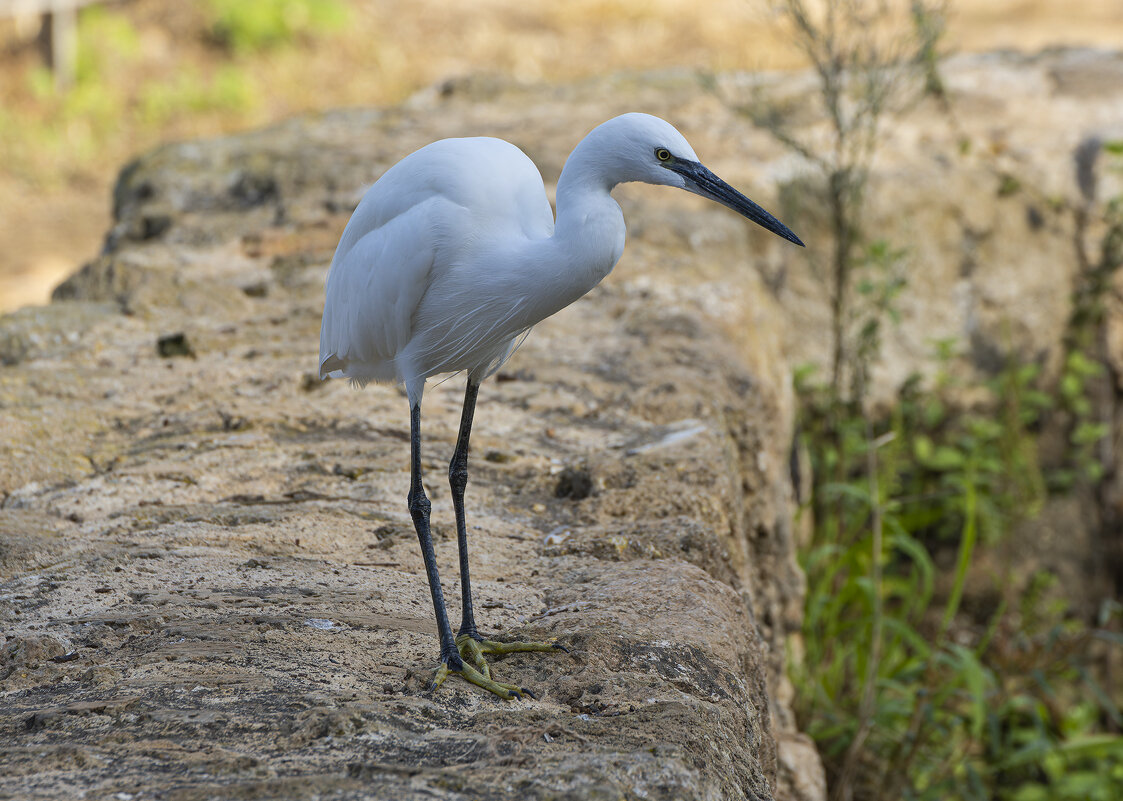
662	154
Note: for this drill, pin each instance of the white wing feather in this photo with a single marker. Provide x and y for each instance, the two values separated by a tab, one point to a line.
433	212
371	294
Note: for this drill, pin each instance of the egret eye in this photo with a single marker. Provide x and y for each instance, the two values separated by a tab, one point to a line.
662	154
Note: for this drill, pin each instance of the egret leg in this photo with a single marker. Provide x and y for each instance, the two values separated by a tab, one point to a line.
419	509
458	480
472	647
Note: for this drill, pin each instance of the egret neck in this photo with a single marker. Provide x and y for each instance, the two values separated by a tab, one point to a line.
588	233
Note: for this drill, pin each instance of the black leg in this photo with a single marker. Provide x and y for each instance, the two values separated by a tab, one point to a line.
458	479
419	507
463	654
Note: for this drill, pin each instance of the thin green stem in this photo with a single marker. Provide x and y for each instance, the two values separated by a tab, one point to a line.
966	547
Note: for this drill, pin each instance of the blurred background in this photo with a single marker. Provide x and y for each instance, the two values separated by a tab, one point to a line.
960	524
134	73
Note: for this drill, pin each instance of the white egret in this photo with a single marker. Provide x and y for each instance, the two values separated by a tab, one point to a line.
452	255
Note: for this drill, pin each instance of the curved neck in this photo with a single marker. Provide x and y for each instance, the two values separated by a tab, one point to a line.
584	187
587	241
590	225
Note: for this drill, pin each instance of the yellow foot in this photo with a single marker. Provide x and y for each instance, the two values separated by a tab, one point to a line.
474	668
504	691
473	650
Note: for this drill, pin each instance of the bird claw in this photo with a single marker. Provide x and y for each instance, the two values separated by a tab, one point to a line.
474	668
474	647
439	677
470	674
471	651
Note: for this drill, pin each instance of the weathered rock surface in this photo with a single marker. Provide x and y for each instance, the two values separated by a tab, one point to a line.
983	205
211	585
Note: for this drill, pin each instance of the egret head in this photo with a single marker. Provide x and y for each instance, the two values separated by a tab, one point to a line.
640	147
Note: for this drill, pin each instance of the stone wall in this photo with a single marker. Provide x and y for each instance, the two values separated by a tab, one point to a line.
212	587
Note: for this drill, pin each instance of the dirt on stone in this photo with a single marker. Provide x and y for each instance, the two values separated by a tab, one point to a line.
210	584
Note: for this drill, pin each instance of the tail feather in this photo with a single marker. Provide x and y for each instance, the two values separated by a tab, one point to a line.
330	365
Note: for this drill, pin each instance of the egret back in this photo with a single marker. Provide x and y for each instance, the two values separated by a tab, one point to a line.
427	215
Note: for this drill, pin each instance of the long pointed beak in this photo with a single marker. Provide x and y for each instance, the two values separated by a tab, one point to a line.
701	181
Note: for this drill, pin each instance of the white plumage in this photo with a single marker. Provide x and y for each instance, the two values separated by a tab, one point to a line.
452	255
417	283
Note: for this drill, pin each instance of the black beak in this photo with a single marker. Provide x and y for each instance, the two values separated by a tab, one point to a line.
701	181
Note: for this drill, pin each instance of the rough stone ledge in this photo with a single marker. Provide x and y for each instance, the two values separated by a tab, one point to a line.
209	583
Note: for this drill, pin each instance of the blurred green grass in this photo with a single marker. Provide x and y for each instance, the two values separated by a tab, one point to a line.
152	70
122	96
246	26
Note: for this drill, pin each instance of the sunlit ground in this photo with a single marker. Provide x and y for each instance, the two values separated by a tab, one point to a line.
153	70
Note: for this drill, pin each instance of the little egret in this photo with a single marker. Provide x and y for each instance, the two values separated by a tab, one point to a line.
452	256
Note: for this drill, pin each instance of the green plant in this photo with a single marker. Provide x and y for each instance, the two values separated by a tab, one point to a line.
1086	394
865	69
111	92
912	686
907	693
1085	428
229	90
246	26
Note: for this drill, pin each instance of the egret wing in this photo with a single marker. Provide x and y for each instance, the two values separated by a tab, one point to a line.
429	215
372	291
